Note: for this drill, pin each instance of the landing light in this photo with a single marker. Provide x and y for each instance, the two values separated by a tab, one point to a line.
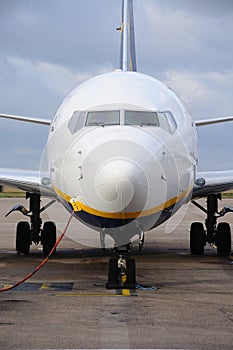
200	182
45	181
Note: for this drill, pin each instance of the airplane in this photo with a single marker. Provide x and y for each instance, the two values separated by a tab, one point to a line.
122	155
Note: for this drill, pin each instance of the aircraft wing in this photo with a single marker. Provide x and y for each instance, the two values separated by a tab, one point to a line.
27	180
212	182
26	119
203	122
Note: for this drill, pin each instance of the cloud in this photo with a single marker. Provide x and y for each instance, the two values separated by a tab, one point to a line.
55	77
34	89
212	8
182	38
207	94
68	33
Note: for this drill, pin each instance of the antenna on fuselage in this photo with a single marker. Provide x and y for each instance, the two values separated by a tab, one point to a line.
127	50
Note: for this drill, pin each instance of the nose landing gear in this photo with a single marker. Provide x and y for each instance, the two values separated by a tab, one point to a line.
122	270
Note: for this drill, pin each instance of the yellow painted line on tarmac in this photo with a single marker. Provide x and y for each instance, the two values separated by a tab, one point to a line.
119	293
126	292
45	286
86	295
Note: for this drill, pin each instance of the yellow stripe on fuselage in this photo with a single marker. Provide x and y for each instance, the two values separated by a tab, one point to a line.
125	215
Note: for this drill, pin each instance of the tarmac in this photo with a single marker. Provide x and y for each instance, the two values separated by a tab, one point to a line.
66	305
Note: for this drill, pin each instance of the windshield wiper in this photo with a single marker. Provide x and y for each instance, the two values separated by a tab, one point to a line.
148	124
97	124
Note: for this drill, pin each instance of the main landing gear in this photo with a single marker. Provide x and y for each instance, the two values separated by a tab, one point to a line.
26	232
212	233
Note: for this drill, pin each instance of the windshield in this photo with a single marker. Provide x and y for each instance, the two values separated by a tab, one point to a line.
141	118
164	120
103	118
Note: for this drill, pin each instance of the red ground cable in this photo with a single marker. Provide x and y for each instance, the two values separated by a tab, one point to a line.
44	261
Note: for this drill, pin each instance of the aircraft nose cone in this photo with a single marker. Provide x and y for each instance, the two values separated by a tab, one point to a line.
116	182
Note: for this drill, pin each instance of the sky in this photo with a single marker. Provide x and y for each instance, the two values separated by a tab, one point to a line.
49	47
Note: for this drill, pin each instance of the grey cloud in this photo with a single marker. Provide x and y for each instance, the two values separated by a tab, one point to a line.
180	38
59	31
205	8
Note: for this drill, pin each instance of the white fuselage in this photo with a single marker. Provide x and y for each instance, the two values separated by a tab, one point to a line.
117	170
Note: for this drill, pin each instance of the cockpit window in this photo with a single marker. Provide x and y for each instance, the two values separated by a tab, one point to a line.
163	122
76	121
171	121
103	118
167	121
142	118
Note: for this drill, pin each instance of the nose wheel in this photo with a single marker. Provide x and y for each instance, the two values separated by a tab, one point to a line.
121	270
